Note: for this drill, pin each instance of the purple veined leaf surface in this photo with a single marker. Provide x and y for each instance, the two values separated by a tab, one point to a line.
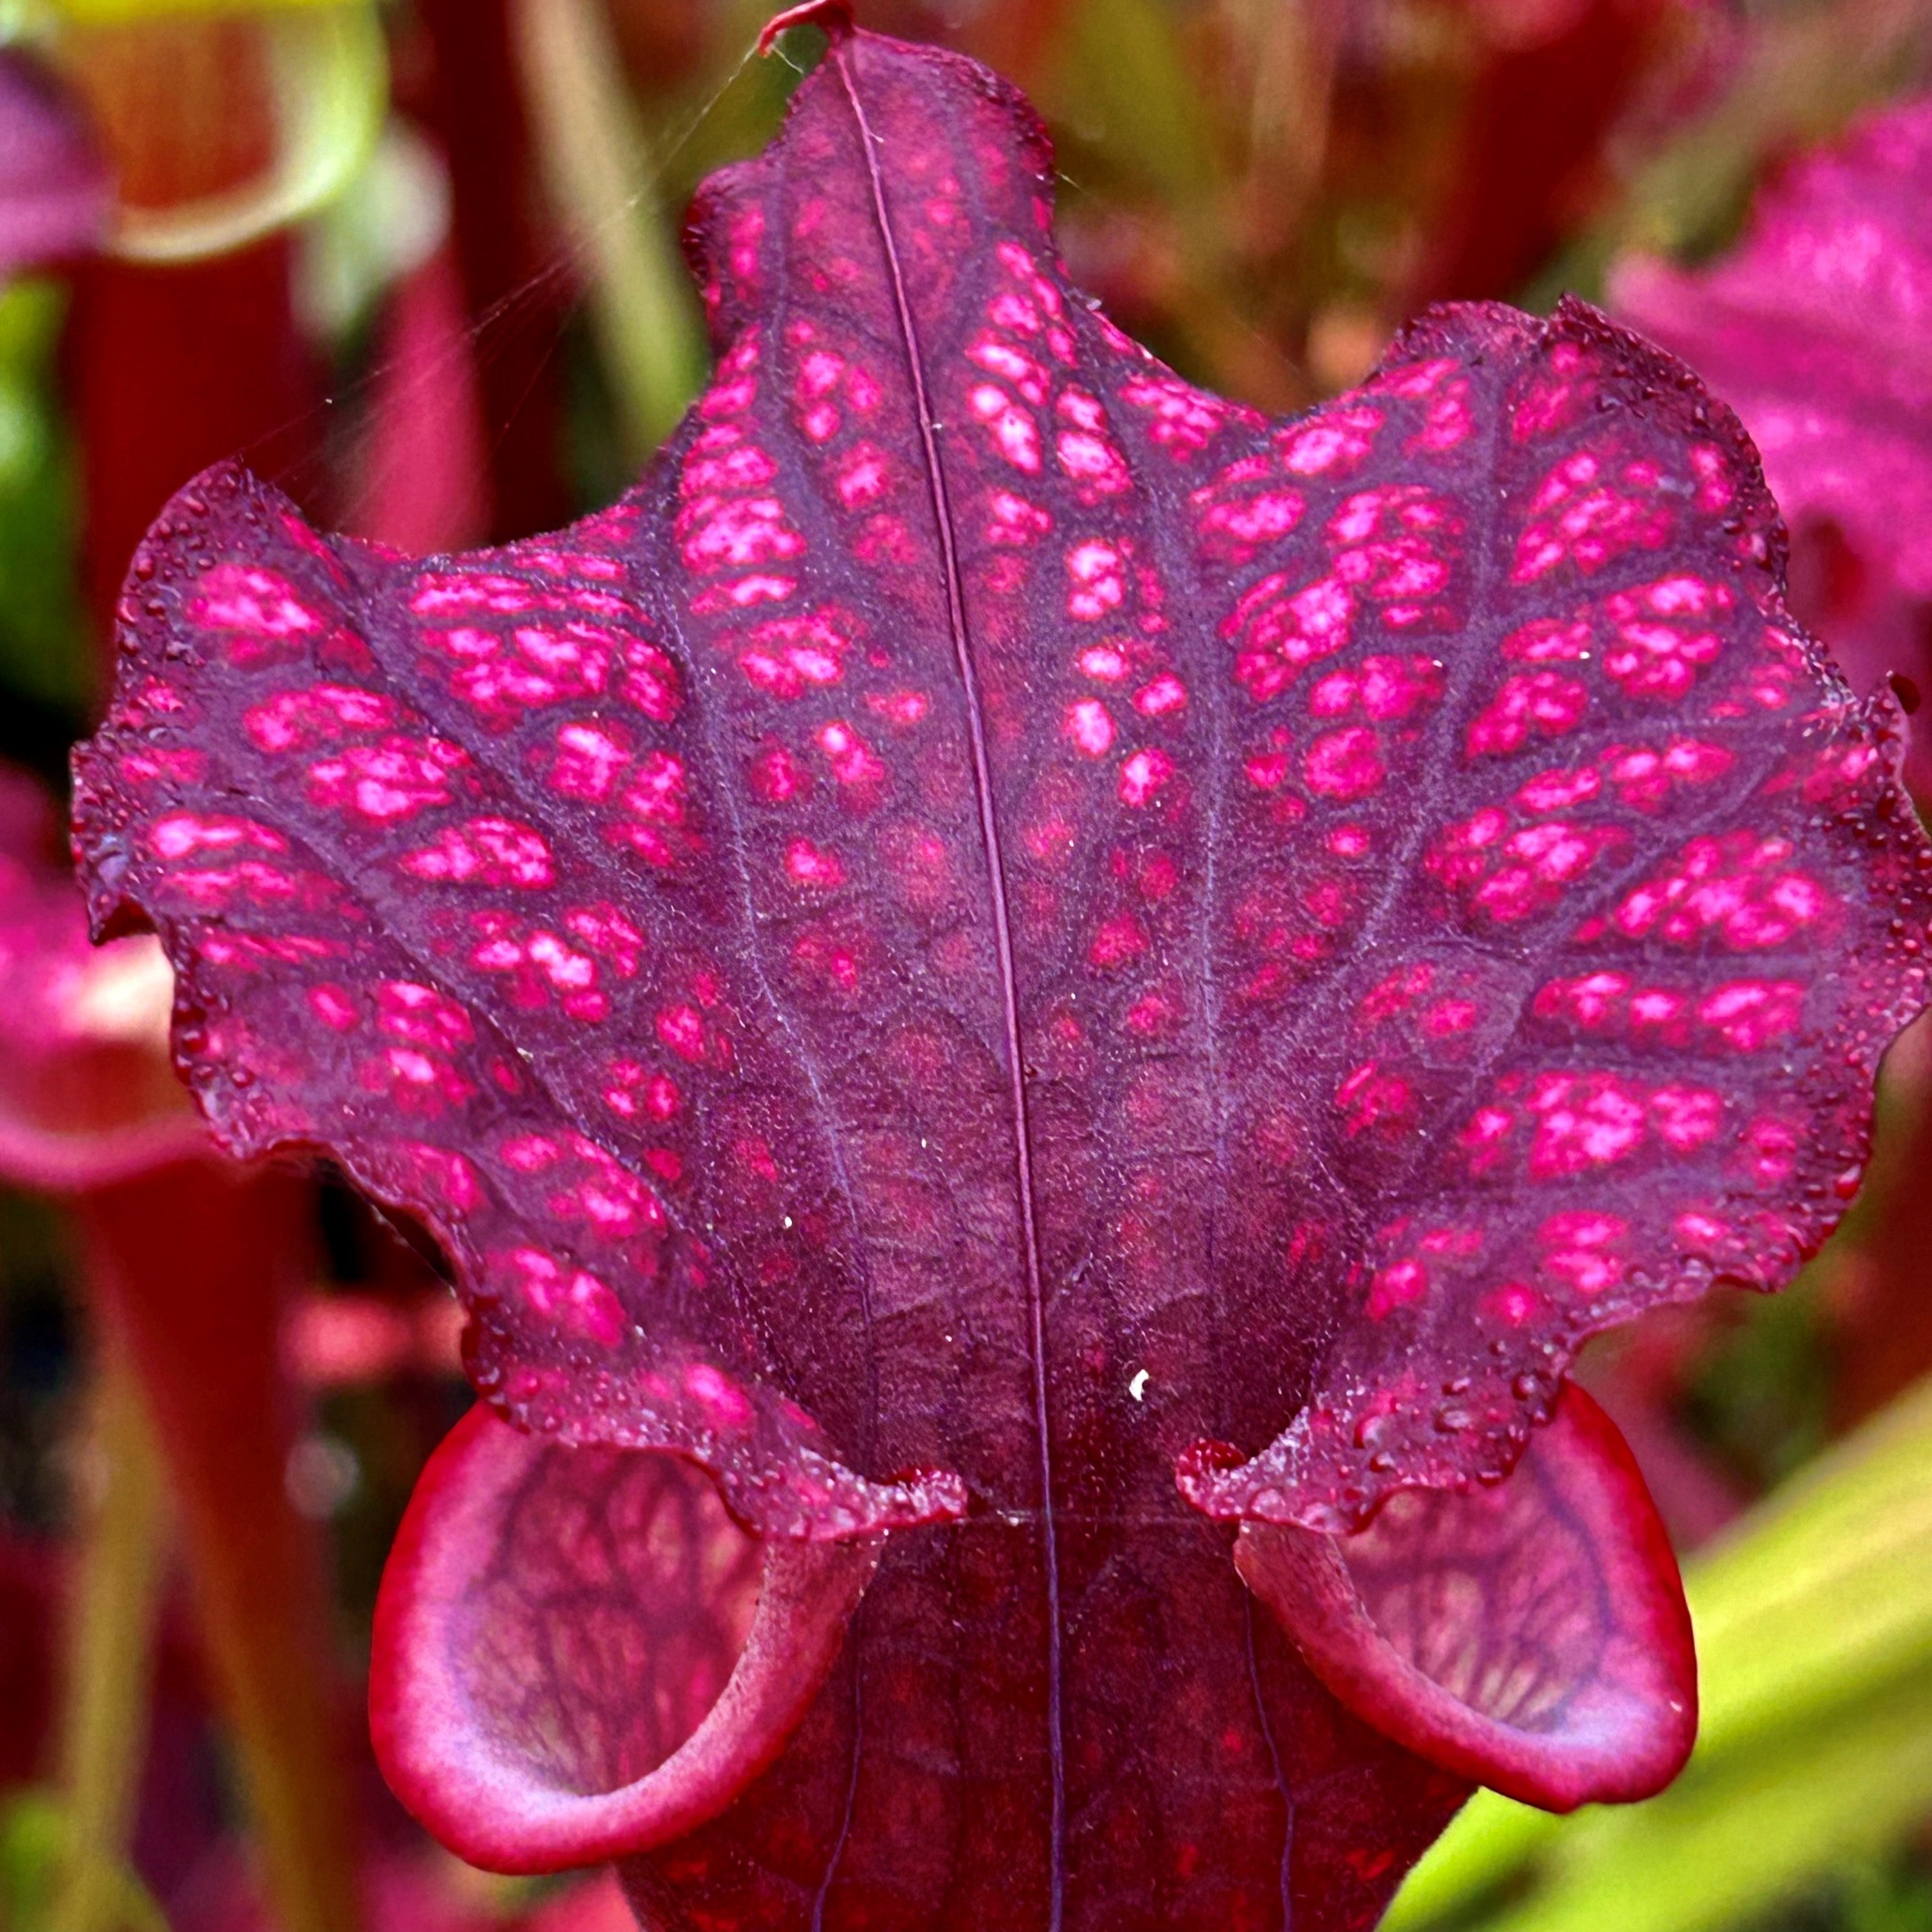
55	192
1817	327
1001	932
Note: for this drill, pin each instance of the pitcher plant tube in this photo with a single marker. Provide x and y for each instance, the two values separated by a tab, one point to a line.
1036	1013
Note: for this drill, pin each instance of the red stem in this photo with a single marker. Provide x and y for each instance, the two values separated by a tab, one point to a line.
477	109
173	369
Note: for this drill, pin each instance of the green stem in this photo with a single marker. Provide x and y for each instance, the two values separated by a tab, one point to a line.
111	1637
593	158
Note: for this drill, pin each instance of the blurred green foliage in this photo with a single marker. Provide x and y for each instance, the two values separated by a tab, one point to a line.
33	1840
1814	1754
42	652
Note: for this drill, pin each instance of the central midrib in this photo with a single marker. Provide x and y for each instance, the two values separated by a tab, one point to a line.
989	832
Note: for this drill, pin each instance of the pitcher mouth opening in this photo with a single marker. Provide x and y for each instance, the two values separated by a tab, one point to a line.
1532	1636
578	1654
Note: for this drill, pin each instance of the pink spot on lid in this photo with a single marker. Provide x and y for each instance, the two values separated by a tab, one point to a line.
1372	1097
1000	357
178	835
1483	1139
1737	887
1235	530
809	864
1117	941
777	776
1142	775
724	1403
1278	634
1685	1117
485	852
388	781
1584	1120
1514	1304
589	760
854	763
1560	791
609	932
785	656
1183	421
1396	1286
1105	664
262	603
334	1006
681	1028
1396	993
1749	1015
1093	462
1543	702
1097	576
1013	520
293	720
1336	440
1012	427
1163	696
898	707
1088	728
1344	765
531	1154
863	475
407	1009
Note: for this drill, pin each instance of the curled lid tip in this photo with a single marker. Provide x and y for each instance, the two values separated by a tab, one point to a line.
832	17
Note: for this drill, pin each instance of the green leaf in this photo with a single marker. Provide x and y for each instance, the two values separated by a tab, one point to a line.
1733	1837
43	648
1123	82
646	319
33	1835
119	13
1814	1638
